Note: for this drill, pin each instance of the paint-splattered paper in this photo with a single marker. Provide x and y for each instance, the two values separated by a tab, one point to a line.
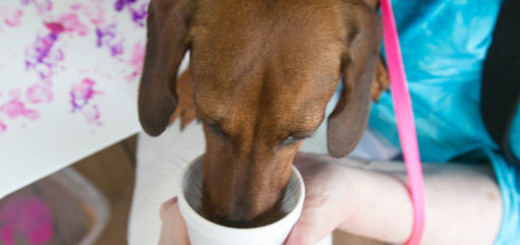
69	71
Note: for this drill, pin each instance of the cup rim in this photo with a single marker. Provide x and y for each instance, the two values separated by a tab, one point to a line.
200	223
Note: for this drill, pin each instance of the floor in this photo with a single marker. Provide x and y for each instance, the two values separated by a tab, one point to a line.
112	172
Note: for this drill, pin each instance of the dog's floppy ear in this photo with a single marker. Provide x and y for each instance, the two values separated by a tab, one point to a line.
348	121
167	24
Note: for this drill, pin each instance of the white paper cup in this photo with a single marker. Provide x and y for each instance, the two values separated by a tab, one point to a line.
204	232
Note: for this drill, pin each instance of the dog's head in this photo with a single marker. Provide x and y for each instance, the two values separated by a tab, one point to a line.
263	72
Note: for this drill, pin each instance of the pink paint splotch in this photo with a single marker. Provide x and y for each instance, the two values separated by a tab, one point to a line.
94	13
11	17
3	127
136	61
42	6
72	24
15	108
82	94
93	115
40	93
26	216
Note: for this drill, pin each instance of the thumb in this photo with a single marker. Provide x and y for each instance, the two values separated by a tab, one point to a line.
173	230
302	234
315	223
326	202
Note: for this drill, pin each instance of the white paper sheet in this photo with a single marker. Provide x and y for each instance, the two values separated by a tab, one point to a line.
69	72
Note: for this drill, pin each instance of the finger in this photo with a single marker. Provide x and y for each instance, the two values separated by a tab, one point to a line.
173	230
166	206
301	234
311	229
326	201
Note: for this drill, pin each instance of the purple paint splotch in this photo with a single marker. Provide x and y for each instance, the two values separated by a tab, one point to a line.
120	4
82	93
138	11
117	49
43	57
26	216
107	37
105	33
139	14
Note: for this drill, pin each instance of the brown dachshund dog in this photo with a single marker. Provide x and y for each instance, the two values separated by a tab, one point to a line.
262	73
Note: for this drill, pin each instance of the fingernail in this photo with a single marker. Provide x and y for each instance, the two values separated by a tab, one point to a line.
166	206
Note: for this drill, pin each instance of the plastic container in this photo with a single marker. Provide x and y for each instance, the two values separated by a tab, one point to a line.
63	208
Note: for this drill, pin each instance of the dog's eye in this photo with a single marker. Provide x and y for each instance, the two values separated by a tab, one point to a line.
217	130
291	140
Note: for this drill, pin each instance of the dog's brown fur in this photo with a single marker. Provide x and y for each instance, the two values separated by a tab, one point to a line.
262	73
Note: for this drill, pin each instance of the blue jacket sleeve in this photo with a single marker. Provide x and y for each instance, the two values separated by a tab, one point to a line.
509	182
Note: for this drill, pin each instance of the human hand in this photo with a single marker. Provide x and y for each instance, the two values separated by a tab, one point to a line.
173	230
325	208
326	203
342	197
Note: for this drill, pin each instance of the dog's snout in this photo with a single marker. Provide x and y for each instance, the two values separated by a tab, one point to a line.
242	215
239	216
245	199
238	213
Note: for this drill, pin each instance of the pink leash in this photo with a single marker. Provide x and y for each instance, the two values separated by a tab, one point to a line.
405	120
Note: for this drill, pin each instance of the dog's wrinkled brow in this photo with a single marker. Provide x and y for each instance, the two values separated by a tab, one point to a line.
305	129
